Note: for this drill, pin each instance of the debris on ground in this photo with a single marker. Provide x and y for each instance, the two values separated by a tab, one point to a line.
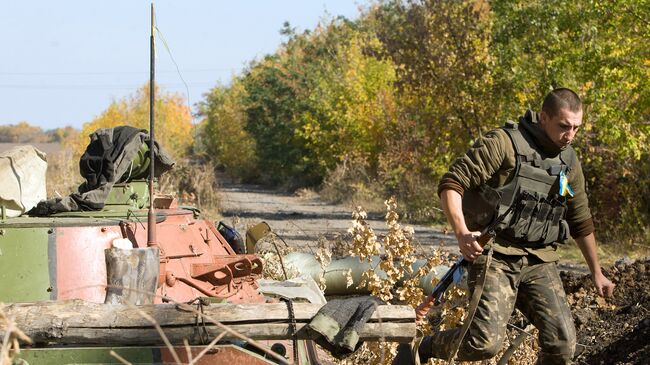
614	330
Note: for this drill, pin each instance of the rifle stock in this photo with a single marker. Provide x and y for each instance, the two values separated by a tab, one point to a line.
435	298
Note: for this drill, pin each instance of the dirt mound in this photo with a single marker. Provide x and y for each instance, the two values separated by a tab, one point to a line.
616	330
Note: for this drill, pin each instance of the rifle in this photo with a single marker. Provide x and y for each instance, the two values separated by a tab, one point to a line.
455	272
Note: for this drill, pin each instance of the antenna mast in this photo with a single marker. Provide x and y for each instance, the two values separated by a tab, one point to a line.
151	216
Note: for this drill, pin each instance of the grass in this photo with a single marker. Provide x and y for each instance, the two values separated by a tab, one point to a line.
608	252
63	176
193	183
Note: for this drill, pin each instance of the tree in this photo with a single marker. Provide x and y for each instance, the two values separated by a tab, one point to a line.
21	132
173	128
446	90
352	104
598	48
224	130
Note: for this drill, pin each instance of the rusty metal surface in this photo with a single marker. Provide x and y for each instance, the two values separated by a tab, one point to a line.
221	354
199	262
195	259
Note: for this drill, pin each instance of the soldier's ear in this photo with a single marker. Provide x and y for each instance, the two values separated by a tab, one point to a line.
543	118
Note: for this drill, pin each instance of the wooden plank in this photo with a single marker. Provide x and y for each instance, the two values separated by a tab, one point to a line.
399	332
83	323
78	313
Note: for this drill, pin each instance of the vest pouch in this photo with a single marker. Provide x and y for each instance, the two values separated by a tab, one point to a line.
538	228
553	226
518	226
563	235
552	234
480	207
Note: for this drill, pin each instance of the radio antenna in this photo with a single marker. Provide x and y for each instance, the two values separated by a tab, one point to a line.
151	216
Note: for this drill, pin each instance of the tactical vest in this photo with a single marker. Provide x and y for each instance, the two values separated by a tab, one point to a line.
538	217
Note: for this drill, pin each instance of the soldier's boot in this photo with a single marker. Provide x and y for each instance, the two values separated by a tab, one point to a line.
425	349
406	352
404	355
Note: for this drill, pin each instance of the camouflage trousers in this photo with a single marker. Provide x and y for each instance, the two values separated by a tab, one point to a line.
524	282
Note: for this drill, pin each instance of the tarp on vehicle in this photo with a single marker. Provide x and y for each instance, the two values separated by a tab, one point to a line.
107	159
22	179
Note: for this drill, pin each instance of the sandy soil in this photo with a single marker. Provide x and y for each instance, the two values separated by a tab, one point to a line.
301	220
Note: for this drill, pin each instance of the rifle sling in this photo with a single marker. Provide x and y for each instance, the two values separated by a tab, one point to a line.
473	303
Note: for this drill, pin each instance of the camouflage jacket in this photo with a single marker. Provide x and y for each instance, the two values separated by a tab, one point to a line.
491	160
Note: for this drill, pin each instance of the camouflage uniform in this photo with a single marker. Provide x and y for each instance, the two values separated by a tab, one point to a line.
524	282
517	277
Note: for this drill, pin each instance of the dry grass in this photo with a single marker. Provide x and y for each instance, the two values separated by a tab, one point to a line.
608	252
397	243
10	341
271	249
350	184
63	175
193	183
397	253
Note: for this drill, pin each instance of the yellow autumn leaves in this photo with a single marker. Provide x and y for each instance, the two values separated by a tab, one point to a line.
173	123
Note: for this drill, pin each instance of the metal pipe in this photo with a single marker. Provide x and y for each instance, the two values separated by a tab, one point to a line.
335	273
151	216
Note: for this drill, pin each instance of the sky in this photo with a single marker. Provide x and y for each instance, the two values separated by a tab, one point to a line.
63	62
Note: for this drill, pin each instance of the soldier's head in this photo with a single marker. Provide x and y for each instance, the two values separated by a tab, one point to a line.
561	116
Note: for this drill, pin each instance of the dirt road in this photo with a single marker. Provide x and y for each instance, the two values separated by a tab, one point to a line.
301	220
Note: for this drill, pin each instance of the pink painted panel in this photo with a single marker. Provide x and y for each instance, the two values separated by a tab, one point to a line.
80	264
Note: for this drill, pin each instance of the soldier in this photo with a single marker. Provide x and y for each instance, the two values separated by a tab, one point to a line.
532	166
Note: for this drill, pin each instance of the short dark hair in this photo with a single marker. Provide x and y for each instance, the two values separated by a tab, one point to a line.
561	98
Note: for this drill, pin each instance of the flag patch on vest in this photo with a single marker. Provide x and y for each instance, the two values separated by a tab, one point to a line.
564	185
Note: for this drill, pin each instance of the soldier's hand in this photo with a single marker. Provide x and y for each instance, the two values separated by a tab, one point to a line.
468	245
604	286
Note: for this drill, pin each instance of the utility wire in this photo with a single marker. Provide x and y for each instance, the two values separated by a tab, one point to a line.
169	51
187	89
91	73
91	87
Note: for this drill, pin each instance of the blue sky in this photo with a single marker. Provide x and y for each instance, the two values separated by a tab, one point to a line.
64	61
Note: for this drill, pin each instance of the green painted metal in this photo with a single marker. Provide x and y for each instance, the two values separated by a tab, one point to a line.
101	355
66	221
81	355
119	214
134	195
24	274
27	244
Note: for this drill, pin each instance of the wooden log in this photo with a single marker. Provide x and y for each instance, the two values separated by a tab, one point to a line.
84	323
397	332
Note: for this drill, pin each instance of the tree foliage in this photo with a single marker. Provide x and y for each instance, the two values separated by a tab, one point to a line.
598	48
173	121
352	104
225	137
411	84
22	132
445	86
